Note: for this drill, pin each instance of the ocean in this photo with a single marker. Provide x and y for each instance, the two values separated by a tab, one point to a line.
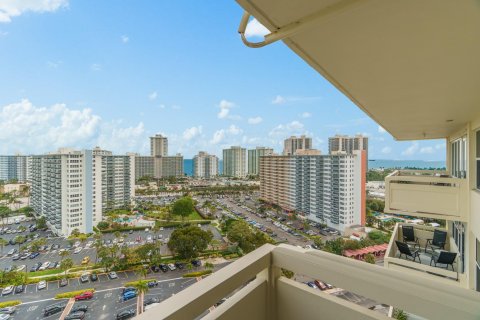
399	164
188	166
372	164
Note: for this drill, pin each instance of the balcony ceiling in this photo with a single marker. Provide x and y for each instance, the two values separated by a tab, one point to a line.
412	66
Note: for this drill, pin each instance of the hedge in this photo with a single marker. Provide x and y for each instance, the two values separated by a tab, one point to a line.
197	274
10	303
72	294
52	278
133	283
44	272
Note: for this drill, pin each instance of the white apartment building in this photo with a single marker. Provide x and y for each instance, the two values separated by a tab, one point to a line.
254	158
158	146
235	162
327	189
15	168
292	144
205	165
73	189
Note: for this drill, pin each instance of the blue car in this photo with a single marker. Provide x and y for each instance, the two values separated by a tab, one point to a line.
34	255
129	295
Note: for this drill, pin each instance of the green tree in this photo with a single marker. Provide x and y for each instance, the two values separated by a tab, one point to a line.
399	314
5	212
317	241
189	241
20	240
246	238
102	225
369	258
3	242
41	223
209	265
183	207
66	264
334	246
142	288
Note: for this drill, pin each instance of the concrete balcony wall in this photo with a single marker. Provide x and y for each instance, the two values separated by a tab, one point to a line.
421	194
256	290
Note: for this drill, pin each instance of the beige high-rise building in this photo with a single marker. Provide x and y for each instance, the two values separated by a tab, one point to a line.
205	165
158	146
254	158
292	144
235	162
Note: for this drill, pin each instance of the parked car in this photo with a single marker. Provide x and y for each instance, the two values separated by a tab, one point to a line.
79	315
84	296
84	277
7	290
42	285
129	295
179	265
63	282
21	267
8	310
44	266
311	284
172	267
77	250
4	316
155	268
35	267
196	263
150	301
53	309
86	260
152	283
321	285
11	252
20	288
112	275
93	277
15	257
163	267
33	255
83	308
127	289
126	314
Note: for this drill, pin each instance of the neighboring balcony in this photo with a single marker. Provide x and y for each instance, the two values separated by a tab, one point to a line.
428	194
423	264
256	290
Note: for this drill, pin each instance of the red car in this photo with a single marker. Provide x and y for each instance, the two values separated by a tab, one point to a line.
84	296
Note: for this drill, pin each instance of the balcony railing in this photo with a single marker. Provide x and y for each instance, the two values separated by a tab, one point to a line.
423	268
430	194
255	289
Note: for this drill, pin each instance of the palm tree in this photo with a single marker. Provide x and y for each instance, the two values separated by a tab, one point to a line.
20	240
5	212
66	264
142	288
209	266
3	242
97	244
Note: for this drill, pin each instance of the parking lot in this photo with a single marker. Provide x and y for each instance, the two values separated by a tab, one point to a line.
106	303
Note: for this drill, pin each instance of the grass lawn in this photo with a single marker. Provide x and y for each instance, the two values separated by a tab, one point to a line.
44	272
163	216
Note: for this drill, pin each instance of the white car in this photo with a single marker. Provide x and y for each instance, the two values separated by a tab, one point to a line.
42	285
171	266
21	267
7	290
112	275
89	244
4	316
77	243
77	250
44	266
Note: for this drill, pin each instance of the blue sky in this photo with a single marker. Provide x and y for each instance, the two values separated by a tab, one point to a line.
82	73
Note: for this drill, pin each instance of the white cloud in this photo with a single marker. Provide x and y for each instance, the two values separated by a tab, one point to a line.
279	100
96	67
381	130
427	150
386	150
14	8
255	120
412	149
152	96
284	130
29	129
125	38
192	132
220	135
224	112
306	115
255	29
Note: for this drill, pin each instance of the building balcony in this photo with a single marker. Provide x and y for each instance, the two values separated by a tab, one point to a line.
428	194
452	275
255	289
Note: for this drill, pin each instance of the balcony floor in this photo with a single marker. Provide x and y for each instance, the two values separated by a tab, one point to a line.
425	259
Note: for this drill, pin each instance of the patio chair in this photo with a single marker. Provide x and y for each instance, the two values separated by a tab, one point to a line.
438	242
409	236
444	257
405	249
